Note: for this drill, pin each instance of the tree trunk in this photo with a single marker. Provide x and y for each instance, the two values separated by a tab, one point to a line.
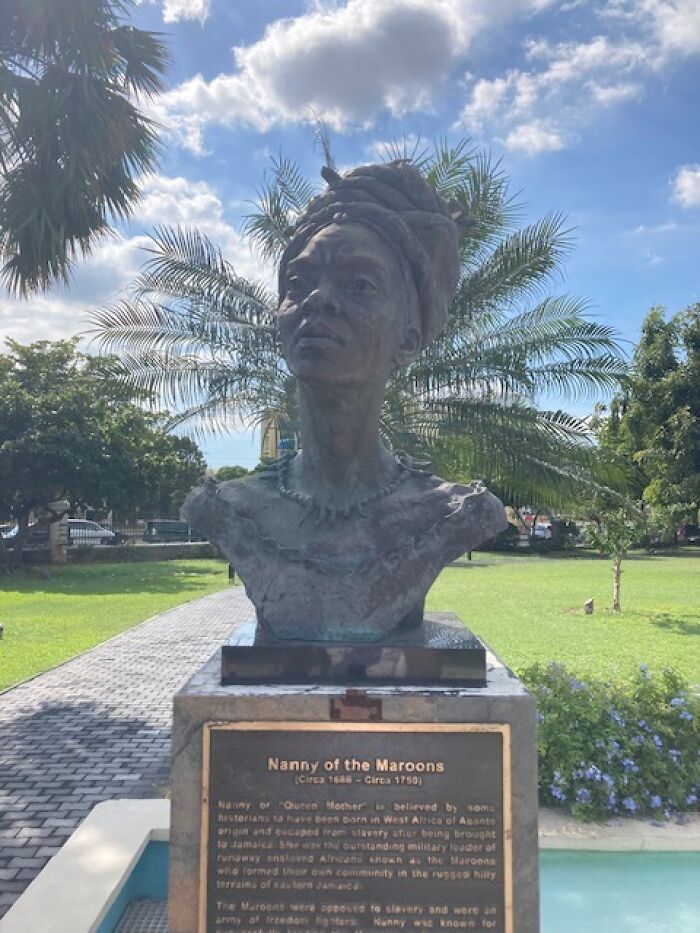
617	574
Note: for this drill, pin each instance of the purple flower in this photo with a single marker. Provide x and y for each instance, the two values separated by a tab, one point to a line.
583	795
691	799
638	739
655	801
642	724
629	765
658	743
557	793
678	701
607	780
612	800
616	718
675	754
599	743
629	804
686	715
615	745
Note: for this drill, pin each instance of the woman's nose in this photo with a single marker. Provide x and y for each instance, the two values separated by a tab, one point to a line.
321	301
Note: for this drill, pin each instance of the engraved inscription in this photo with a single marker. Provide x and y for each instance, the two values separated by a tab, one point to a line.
356	828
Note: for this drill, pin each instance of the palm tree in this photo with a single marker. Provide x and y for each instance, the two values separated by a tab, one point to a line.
71	139
204	339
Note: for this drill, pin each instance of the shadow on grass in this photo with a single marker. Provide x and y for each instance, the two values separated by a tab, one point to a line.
104	579
678	626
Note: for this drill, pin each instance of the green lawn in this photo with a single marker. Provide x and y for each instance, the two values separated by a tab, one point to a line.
527	608
531	609
47	621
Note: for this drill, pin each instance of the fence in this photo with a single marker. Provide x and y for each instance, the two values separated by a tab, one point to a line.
78	532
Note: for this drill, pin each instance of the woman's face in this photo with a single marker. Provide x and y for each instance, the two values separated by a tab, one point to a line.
348	313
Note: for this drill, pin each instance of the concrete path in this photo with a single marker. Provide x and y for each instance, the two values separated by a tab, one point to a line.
96	728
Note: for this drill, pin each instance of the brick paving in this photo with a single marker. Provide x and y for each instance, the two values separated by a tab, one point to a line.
96	728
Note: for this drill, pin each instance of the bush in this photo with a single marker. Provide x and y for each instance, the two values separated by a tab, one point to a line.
505	540
617	749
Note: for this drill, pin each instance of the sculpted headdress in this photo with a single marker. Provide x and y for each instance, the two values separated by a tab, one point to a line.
395	201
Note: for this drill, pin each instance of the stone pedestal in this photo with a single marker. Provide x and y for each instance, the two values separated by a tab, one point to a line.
317	808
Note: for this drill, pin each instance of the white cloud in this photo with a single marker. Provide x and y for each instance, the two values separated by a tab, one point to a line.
534	138
672	26
174	10
485	100
180	201
668	226
100	278
608	94
676	24
542	108
63	312
345	64
686	186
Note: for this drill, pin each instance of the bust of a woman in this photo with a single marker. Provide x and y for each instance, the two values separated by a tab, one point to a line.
342	541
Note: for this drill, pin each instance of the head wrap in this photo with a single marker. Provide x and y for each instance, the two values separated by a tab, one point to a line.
395	201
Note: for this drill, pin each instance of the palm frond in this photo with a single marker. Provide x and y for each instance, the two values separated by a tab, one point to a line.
519	267
323	140
198	336
295	191
268	227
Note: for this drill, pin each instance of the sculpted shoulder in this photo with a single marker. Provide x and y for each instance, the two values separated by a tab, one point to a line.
207	505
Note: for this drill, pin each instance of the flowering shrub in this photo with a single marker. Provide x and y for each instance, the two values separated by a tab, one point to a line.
630	749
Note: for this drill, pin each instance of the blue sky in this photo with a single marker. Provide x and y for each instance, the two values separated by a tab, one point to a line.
593	108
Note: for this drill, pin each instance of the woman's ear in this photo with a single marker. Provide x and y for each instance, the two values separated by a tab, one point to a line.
409	348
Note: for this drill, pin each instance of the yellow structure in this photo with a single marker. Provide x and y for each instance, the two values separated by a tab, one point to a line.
274	441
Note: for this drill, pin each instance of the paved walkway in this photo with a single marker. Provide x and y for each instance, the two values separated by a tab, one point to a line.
96	728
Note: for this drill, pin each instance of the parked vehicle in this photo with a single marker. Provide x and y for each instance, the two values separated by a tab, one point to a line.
36	537
159	530
690	533
83	531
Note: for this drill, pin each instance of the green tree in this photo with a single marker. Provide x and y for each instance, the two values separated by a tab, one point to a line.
231	472
653	425
614	528
204	338
72	140
70	431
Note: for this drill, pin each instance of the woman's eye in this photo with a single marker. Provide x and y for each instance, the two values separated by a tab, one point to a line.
361	286
297	286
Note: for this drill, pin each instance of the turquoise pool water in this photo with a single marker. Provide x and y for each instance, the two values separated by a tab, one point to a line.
620	892
582	892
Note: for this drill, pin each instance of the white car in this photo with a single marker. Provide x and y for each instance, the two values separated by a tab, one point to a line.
82	531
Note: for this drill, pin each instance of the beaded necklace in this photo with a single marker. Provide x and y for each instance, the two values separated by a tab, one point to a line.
327	512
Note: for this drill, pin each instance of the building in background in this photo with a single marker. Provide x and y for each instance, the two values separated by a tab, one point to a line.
276	438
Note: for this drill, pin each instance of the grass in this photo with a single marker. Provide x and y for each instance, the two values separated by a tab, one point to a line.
526	608
50	620
531	609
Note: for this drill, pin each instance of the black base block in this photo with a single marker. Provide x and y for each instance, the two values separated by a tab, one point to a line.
441	652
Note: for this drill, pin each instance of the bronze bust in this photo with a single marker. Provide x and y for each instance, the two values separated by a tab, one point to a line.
342	541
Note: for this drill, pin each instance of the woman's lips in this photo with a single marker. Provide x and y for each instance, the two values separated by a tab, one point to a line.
316	333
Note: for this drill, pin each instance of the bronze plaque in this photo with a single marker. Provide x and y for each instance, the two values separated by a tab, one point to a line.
359	827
